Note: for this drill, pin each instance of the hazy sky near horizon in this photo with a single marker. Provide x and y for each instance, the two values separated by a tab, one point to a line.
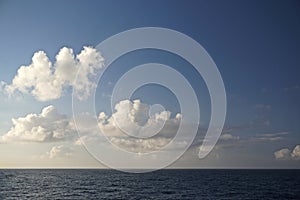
255	44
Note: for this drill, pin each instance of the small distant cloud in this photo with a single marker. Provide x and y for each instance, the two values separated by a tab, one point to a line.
262	106
228	136
282	154
59	152
296	153
292	88
287	154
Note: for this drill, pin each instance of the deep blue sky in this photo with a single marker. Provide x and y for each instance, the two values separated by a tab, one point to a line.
255	44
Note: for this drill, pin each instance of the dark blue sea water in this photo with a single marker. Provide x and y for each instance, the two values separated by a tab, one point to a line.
164	184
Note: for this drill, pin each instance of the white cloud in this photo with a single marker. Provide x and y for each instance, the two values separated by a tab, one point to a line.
282	154
272	136
285	154
59	152
130	114
51	126
269	138
296	153
140	145
133	117
47	81
48	126
228	136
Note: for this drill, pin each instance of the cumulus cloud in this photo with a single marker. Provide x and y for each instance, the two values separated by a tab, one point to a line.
296	153
47	81
59	152
47	126
51	126
286	154
132	116
282	154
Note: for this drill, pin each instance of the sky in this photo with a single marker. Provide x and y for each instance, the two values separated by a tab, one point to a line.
254	44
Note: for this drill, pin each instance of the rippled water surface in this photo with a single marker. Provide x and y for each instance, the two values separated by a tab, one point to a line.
164	184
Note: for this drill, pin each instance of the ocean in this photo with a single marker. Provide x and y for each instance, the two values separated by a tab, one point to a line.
163	184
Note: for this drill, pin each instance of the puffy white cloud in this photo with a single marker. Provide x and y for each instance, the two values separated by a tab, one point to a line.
282	154
51	126
288	154
132	116
47	81
48	126
59	152
296	153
